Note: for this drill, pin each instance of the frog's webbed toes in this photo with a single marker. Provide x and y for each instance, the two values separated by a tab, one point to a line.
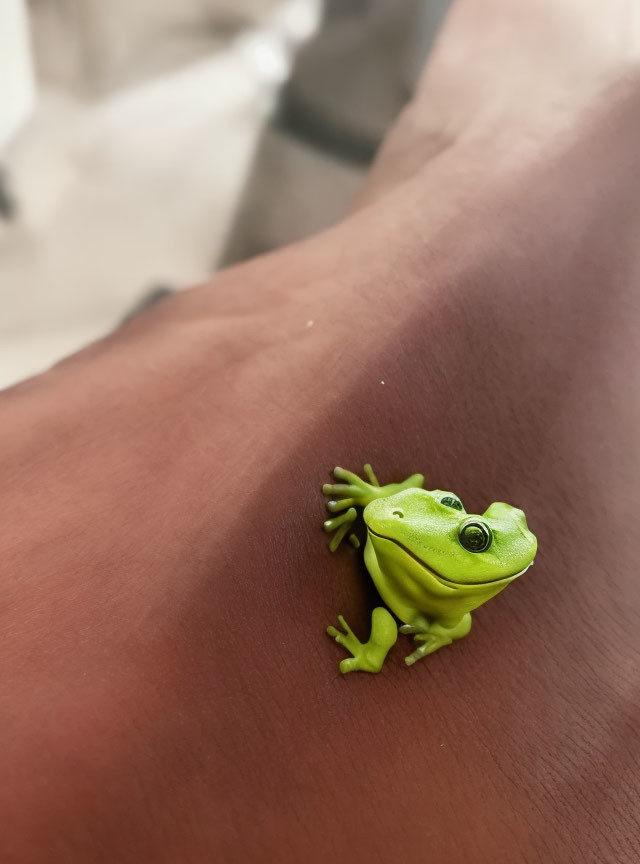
341	504
351	486
337	489
349	664
347	638
347	476
430	643
371	477
340	524
410	629
367	656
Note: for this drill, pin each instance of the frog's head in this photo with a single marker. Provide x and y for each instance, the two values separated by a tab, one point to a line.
459	549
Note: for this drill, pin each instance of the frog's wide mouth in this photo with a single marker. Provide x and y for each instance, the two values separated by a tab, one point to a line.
449	583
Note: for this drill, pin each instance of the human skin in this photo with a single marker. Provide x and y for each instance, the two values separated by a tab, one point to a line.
168	692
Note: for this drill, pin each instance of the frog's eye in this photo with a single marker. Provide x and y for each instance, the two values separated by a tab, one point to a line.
475	535
451	502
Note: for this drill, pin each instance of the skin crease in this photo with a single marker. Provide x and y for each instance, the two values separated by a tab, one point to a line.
167	691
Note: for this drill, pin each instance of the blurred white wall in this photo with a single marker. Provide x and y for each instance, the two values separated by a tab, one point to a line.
92	47
126	179
17	89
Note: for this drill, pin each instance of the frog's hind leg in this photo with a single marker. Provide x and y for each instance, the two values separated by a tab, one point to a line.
367	656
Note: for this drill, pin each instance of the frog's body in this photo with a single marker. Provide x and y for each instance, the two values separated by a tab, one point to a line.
431	562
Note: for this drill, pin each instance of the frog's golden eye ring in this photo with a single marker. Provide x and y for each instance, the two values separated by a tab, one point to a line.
475	536
451	502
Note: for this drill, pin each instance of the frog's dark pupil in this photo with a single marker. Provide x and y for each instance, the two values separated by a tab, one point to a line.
475	537
451	502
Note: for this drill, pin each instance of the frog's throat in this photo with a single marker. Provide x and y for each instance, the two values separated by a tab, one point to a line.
450	583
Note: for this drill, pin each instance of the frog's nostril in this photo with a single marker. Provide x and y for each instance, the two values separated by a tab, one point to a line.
399	514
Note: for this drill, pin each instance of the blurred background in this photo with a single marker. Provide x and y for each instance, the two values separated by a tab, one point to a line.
145	144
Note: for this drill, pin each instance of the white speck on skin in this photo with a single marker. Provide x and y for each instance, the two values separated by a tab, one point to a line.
310	323
382	382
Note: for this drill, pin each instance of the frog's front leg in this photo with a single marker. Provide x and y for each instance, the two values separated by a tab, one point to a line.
340	525
430	643
367	656
353	492
356	492
434	635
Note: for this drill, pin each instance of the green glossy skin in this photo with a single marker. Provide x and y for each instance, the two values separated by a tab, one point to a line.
421	568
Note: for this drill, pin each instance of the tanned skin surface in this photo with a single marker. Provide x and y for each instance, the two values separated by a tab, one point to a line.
162	572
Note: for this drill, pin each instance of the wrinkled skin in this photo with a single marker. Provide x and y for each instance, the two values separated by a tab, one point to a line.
164	696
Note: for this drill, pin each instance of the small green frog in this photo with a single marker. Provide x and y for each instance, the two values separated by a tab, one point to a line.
431	561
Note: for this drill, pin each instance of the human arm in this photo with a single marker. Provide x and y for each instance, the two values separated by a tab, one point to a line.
164	696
